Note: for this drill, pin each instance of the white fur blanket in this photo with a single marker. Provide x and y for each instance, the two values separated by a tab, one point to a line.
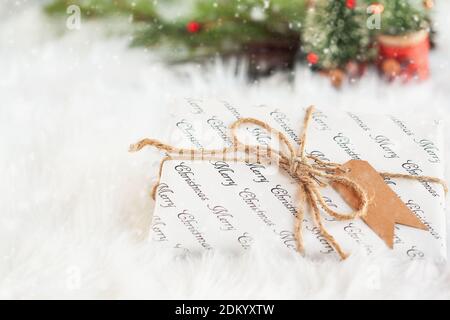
74	204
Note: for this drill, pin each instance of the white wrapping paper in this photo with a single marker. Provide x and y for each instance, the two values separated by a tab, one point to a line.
216	205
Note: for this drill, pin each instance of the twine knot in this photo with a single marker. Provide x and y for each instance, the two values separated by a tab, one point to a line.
297	162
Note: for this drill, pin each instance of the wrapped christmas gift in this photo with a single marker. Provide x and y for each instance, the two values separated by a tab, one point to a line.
320	183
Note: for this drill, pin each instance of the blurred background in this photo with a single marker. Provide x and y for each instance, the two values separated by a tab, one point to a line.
338	39
342	41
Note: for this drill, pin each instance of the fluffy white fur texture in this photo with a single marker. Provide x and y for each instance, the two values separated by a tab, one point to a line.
74	204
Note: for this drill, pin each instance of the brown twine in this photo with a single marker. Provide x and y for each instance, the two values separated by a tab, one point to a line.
310	173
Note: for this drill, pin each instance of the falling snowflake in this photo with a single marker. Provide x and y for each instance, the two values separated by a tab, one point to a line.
257	14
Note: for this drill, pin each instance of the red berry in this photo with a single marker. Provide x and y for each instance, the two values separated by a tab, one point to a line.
312	58
351	4
193	27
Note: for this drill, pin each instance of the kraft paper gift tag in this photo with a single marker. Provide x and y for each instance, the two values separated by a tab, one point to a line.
385	209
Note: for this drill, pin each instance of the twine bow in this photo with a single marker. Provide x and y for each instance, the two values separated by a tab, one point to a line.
310	172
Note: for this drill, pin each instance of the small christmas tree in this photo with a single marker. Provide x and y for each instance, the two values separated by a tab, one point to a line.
335	34
400	17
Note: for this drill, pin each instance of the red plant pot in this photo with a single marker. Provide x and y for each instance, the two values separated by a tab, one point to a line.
405	56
